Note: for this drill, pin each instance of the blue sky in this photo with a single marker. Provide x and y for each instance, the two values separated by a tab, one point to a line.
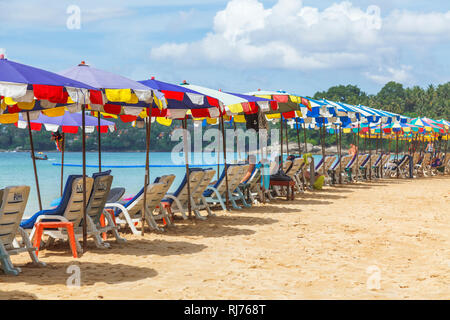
238	45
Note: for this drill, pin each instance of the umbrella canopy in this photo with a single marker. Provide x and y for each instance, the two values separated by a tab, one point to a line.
181	99
27	89
115	94
288	103
234	103
69	123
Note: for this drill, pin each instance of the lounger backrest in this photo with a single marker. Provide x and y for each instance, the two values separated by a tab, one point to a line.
74	208
426	159
167	179
231	173
296	166
13	202
273	167
286	165
319	164
195	178
242	170
254	178
154	195
385	159
99	195
204	183
329	161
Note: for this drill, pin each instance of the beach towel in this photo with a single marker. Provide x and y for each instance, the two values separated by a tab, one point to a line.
318	184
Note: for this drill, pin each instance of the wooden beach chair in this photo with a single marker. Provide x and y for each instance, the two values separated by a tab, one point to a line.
13	202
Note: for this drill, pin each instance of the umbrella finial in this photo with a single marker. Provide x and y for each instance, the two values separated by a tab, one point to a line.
2	56
153	78
184	82
259	89
83	63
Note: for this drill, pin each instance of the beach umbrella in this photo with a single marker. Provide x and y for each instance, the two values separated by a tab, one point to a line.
115	95
30	90
182	102
233	104
68	123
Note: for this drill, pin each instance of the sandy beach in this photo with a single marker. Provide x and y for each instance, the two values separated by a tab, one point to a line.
324	245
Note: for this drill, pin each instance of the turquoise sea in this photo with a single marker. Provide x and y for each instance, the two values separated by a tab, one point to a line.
17	169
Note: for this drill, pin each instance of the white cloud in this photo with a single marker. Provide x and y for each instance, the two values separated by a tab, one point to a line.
289	35
384	75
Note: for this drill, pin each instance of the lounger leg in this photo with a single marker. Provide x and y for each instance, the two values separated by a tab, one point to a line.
241	195
6	263
130	223
180	208
151	220
208	209
92	230
113	227
233	202
30	248
165	215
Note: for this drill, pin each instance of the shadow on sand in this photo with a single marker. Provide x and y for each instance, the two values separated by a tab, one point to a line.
91	273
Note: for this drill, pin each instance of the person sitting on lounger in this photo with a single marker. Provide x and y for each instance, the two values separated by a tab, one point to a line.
251	168
353	150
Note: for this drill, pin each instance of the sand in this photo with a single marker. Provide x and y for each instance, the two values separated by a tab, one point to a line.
330	244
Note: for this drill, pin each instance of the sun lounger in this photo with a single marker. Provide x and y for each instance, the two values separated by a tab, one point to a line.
394	169
340	166
236	193
70	209
178	200
295	171
130	213
198	199
423	166
215	194
352	166
96	207
13	202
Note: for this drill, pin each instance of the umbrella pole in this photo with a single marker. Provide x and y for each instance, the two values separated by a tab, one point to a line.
323	147
287	138
340	154
396	154
337	141
34	161
381	149
370	157
218	151
186	160
83	124
227	198
304	137
357	153
62	160
263	168
298	137
147	170
281	142
99	144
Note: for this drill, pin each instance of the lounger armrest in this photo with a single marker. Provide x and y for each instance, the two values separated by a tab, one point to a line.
214	190
51	217
170	196
116	205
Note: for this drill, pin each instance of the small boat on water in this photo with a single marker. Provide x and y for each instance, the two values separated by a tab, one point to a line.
40	156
